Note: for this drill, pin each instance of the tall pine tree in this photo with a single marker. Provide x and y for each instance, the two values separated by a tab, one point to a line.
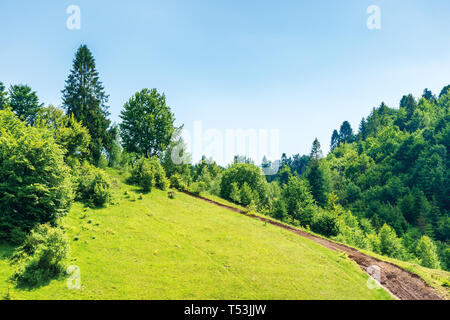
316	176
316	150
346	133
334	140
85	98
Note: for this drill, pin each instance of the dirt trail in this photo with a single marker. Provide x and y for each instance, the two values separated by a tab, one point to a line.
403	284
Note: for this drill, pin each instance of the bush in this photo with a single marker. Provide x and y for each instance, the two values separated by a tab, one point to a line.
177	183
374	242
305	214
250	174
235	194
148	173
161	181
279	210
298	198
426	251
325	223
354	237
41	257
93	185
248	195
198	187
147	180
390	244
102	162
35	183
68	133
115	155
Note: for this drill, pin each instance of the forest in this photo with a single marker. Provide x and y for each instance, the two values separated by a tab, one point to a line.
382	188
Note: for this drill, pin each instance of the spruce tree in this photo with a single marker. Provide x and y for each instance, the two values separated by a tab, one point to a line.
316	175
316	151
427	94
334	140
444	90
409	104
362	135
85	98
346	133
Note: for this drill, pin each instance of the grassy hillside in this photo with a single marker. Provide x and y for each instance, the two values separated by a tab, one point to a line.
436	278
151	247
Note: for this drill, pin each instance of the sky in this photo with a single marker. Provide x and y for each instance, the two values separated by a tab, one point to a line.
294	68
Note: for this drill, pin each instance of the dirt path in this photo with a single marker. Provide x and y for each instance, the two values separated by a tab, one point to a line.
403	284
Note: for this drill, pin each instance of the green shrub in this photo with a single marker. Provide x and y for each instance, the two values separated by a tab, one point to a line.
17	235
147	180
41	257
305	213
354	237
298	199
250	174
35	183
102	162
148	173
68	133
374	242
235	194
325	223
177	182
115	155
93	185
161	181
426	251
198	187
279	210
390	244
247	195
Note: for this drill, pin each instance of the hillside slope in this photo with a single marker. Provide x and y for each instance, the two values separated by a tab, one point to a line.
185	248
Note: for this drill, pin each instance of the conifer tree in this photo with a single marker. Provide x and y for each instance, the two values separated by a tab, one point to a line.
85	98
334	140
316	176
316	151
346	133
362	134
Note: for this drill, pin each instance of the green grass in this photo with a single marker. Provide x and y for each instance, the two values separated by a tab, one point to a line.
438	279
186	248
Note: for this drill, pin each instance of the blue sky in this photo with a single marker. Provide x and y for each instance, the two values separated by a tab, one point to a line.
302	67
